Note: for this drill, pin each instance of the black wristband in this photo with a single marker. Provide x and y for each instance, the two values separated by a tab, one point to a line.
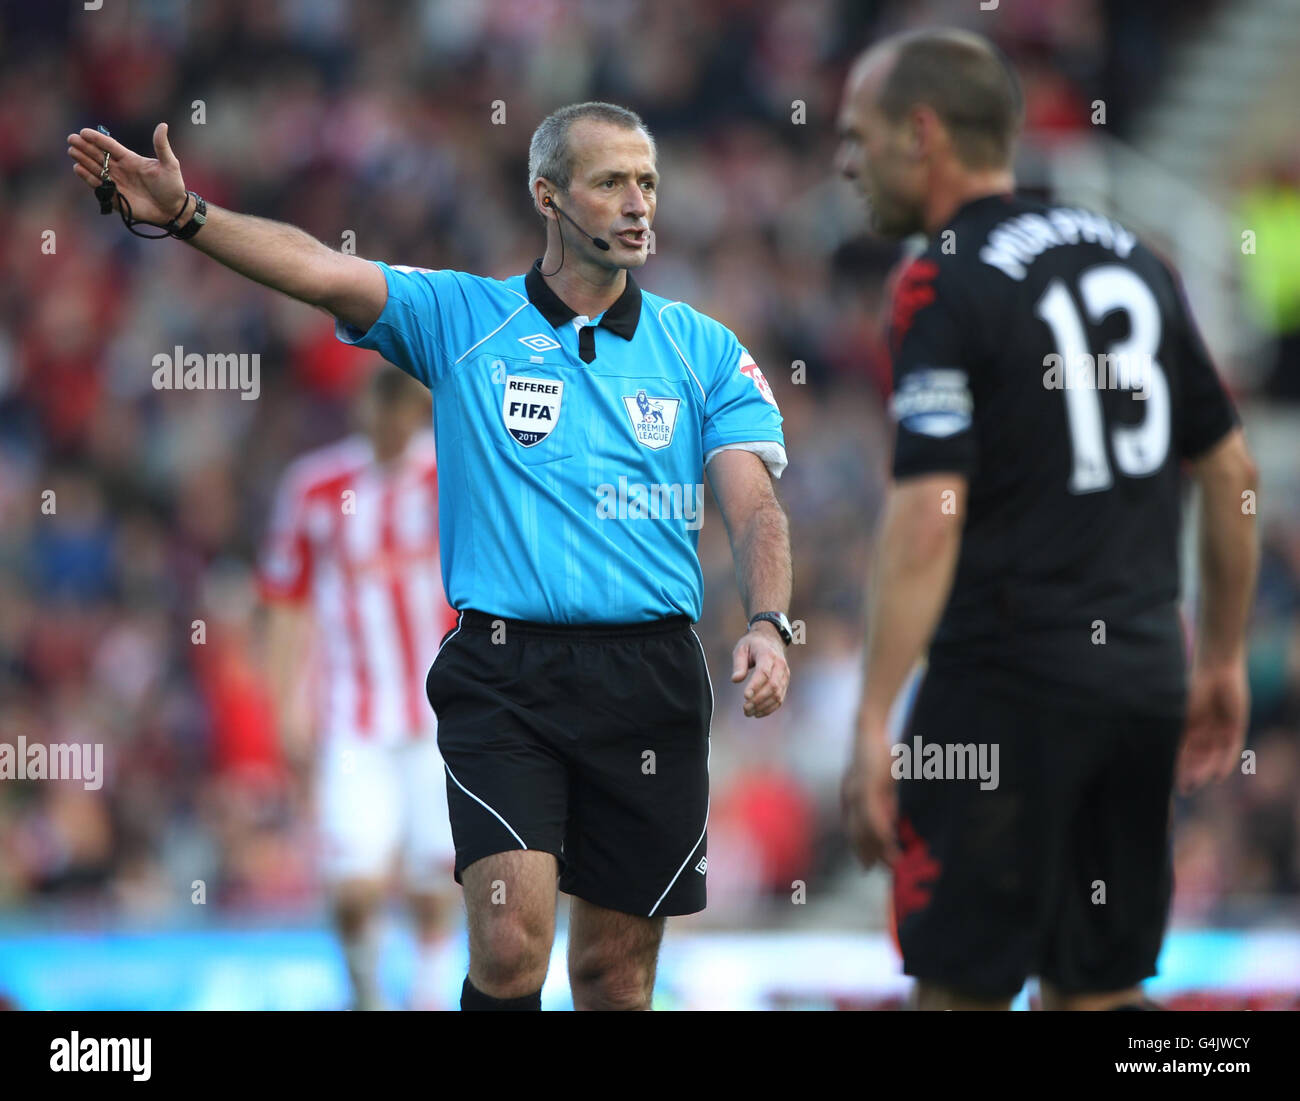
196	223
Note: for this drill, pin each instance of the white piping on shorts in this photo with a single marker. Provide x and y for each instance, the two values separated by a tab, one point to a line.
712	703
483	804
459	617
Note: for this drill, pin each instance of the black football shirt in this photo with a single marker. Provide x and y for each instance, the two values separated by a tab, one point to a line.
1047	355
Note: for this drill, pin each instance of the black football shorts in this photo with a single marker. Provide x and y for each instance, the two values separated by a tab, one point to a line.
1062	870
588	742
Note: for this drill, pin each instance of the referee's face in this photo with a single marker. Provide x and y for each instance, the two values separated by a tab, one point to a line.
612	193
876	155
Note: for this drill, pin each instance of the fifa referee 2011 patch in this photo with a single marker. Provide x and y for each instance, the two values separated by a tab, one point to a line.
653	419
531	407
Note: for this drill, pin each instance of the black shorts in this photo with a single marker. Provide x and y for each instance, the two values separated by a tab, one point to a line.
591	743
1063	870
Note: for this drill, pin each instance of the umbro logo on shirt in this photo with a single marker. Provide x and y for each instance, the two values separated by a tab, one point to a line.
539	342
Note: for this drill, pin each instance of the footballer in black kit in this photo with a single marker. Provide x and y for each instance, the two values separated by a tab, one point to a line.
1049	390
1047	355
1051	358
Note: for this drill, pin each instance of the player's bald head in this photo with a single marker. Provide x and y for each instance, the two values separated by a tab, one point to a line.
960	75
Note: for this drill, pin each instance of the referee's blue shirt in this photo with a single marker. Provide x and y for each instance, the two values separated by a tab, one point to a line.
571	450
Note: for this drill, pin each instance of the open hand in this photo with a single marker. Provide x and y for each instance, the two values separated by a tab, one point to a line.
153	186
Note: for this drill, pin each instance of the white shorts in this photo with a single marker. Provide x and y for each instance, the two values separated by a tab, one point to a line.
376	802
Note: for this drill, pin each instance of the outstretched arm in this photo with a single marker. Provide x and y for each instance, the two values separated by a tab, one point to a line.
271	253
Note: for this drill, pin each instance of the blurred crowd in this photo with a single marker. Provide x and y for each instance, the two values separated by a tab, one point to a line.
130	517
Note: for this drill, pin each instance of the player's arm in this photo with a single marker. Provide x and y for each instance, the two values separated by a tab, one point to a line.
1219	698
1211	441
286	564
287	643
916	558
271	253
919	536
760	544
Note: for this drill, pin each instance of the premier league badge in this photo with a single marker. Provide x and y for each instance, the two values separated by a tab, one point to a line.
653	419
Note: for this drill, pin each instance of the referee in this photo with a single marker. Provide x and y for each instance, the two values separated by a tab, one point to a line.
575	415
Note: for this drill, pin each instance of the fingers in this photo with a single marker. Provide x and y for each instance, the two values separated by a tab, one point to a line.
91	164
101	142
882	816
1191	771
1211	751
1231	760
760	683
766	689
1198	760
871	833
162	148
862	839
740	660
92	180
865	846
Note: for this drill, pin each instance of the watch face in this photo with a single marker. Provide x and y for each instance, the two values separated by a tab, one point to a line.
779	621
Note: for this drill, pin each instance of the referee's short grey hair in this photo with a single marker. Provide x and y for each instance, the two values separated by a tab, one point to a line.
549	154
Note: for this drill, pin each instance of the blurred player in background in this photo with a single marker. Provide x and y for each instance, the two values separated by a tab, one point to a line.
351	571
1030	540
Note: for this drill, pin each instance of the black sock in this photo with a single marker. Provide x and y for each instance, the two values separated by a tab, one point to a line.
472	998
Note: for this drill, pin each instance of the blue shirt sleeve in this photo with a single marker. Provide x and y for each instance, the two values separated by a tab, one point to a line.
412	332
740	407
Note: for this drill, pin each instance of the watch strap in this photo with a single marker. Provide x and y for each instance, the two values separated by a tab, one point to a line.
778	621
196	223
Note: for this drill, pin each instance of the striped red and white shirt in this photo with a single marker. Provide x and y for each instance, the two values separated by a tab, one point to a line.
360	540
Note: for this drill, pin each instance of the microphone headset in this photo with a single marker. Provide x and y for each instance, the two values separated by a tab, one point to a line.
599	242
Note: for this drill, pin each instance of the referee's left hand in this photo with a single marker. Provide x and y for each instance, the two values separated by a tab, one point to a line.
762	651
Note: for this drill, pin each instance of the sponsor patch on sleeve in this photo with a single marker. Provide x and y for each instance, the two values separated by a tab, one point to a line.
933	401
747	367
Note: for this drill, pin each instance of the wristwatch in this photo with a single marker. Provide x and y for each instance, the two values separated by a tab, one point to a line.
196	223
778	620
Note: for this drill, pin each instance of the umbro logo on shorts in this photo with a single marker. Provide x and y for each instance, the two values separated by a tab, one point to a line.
703	865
